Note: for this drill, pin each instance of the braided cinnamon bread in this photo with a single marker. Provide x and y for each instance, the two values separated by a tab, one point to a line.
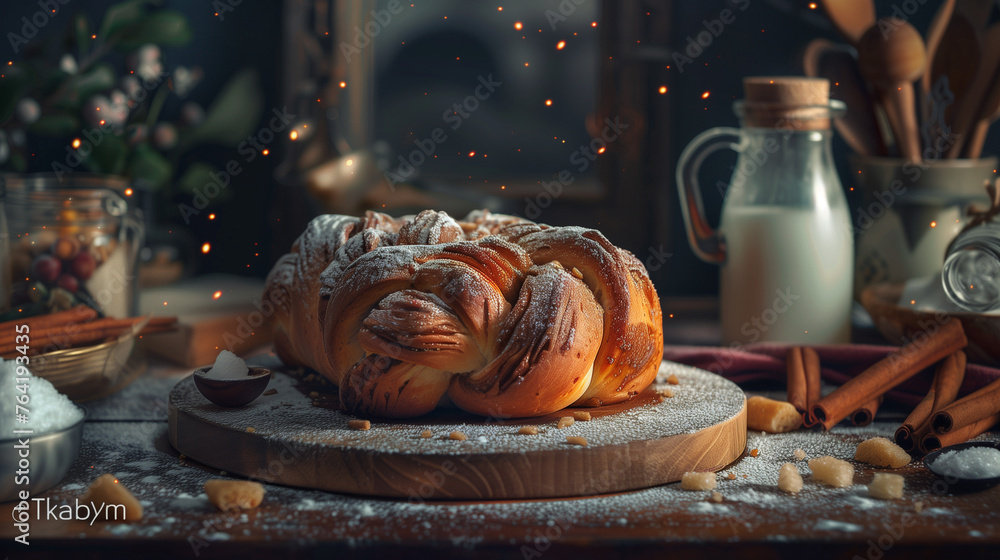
498	315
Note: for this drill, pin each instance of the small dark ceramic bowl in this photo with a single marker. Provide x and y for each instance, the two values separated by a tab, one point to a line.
960	485
232	392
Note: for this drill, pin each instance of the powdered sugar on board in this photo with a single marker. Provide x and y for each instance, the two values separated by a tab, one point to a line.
699	401
754	510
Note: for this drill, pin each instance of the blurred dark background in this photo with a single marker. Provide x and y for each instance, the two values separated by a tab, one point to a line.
593	60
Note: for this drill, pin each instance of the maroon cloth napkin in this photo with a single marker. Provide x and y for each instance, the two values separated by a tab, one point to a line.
840	362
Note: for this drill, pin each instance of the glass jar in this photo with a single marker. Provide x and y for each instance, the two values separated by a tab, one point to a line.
5	272
971	273
785	242
72	240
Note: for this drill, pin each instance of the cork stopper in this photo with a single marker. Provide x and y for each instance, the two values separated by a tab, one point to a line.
787	102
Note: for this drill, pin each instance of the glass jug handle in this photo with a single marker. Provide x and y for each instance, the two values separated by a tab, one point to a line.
706	242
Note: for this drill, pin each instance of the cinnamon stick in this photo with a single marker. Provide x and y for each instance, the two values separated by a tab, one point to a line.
866	412
76	334
933	441
796	379
78	314
814	383
945	338
968	410
947	379
81	339
803	374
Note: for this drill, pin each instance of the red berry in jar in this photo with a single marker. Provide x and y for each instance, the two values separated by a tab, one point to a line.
68	282
83	265
46	268
66	248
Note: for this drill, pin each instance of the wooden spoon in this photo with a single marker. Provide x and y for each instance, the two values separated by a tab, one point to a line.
851	17
972	107
859	127
978	11
935	32
892	56
957	58
989	112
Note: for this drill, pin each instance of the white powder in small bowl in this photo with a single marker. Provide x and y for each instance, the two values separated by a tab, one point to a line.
35	400
971	463
227	366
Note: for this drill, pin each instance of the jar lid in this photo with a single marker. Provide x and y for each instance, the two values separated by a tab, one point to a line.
787	102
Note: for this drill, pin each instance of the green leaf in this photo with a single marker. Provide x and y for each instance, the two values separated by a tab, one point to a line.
11	87
109	156
196	176
57	125
81	30
149	170
81	86
165	27
121	15
234	113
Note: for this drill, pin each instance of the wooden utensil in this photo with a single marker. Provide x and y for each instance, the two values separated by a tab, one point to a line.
978	11
935	32
971	108
852	18
892	56
957	58
859	127
989	112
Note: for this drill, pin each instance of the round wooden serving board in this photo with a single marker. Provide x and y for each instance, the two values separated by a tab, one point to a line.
290	437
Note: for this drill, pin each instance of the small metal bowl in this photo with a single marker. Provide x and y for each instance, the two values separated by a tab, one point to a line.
235	392
50	456
961	485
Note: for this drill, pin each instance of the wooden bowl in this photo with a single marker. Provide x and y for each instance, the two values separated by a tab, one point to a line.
896	322
234	392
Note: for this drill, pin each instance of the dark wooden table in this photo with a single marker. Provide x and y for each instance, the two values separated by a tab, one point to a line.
126	435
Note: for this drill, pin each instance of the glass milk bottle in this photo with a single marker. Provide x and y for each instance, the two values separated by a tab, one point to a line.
785	242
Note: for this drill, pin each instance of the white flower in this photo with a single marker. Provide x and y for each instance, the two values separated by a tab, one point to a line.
148	53
146	62
68	64
132	88
28	110
101	111
184	80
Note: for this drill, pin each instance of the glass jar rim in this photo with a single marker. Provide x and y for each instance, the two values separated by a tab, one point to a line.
77	180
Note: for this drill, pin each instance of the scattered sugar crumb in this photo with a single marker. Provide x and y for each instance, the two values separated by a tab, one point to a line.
860	502
832	525
709	507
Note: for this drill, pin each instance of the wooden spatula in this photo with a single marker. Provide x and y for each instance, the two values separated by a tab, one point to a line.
859	127
971	108
989	112
957	59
